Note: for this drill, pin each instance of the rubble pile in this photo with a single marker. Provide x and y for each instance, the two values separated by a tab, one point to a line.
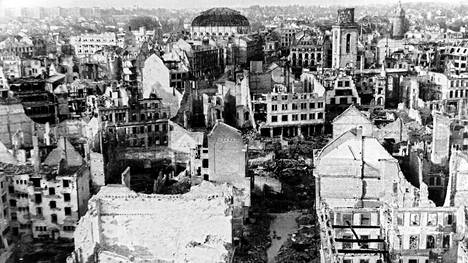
256	240
177	187
302	246
158	227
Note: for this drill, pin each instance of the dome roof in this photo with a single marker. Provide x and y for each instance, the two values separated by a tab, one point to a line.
220	17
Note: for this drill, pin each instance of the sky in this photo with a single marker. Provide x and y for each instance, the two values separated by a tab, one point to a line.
177	4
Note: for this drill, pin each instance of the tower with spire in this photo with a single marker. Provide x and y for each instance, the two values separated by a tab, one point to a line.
398	22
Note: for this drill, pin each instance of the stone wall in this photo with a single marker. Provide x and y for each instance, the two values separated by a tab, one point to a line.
440	138
97	169
156	78
194	227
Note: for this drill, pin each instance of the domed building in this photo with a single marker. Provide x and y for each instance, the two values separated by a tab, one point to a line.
219	22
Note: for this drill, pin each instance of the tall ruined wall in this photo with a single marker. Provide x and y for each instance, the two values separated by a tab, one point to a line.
194	227
156	80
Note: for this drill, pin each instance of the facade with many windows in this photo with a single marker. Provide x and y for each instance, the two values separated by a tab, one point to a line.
294	113
310	49
56	204
423	231
141	124
344	93
45	202
88	44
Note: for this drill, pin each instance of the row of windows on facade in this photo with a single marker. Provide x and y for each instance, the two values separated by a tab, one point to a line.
436	180
141	129
67	210
52	204
317	49
343	218
96	40
431	219
459	83
365	218
215	34
17	49
38	198
380	261
92	46
301	96
431	242
295	117
37	182
343	101
306	56
65	228
343	83
121	117
175	76
149	128
458	94
361	261
53	217
294	106
453	57
363	245
156	140
459	65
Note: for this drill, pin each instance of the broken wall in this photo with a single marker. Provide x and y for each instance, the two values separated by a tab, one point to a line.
440	138
194	227
97	169
156	80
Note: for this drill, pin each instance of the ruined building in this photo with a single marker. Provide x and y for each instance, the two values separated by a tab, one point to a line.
368	210
125	226
297	111
227	163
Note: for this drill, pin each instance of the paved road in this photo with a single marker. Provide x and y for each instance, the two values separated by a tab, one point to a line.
284	224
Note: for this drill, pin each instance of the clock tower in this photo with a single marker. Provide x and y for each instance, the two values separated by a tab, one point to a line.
345	40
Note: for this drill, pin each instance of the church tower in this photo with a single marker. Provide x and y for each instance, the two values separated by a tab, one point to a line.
398	22
345	40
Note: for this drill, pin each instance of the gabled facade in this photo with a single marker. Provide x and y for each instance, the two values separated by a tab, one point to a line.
352	118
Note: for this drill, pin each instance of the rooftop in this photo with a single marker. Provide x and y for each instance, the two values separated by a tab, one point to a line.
220	17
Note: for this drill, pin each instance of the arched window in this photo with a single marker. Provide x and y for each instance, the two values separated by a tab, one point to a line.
348	43
430	242
380	101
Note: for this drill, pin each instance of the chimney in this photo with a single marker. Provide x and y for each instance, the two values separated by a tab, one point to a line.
364	185
359	132
65	156
47	134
